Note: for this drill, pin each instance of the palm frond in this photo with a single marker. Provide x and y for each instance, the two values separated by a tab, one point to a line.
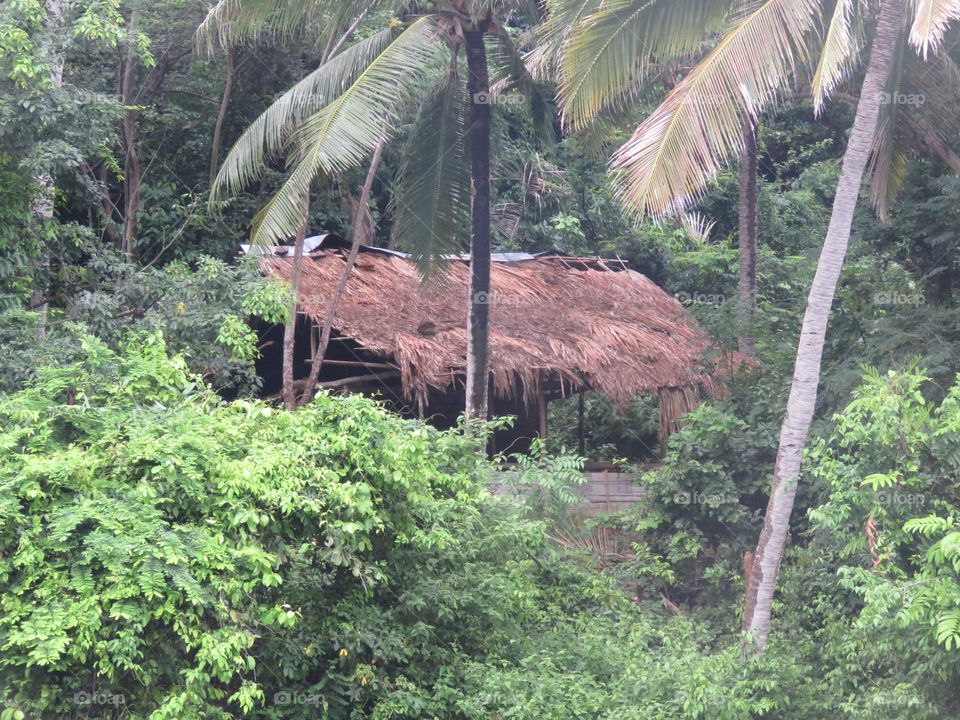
839	54
917	118
505	220
339	136
886	168
930	22
892	147
267	135
233	21
610	51
553	34
432	195
698	226
684	142
509	71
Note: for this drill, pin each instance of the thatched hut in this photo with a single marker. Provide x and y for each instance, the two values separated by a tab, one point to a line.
558	326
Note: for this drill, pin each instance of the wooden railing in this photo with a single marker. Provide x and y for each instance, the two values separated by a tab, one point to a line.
608	489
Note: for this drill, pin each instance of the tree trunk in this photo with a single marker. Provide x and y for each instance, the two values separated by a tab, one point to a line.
360	232
131	161
747	292
806	377
43	204
222	115
478	320
290	330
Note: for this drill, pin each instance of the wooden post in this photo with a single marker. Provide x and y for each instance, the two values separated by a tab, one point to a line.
606	487
542	407
581	429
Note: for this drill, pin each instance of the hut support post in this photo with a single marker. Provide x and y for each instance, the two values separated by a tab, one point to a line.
542	408
581	429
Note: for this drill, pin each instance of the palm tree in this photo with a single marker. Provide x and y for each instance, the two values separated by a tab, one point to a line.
684	143
330	121
806	376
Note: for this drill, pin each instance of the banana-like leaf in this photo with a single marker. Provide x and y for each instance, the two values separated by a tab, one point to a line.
931	20
840	52
344	132
432	195
267	136
610	51
682	145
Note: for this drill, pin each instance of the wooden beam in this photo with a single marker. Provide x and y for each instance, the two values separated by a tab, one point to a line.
357	363
359	379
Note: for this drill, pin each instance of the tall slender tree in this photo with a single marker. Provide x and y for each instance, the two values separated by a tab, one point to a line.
806	376
747	288
478	320
360	231
288	389
43	205
673	154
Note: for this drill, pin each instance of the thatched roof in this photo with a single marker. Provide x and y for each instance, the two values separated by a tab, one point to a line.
556	320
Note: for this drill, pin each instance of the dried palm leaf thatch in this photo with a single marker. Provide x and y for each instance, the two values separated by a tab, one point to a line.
569	322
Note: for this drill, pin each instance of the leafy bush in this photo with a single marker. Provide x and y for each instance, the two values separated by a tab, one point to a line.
153	535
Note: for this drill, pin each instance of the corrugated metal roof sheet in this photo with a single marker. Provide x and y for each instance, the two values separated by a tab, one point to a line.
310	244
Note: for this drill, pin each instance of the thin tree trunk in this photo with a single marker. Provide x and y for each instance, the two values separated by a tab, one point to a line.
231	80
290	330
131	162
359	232
478	321
803	391
43	204
747	292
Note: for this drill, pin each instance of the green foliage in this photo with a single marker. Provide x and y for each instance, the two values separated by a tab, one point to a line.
202	311
546	482
890	476
154	537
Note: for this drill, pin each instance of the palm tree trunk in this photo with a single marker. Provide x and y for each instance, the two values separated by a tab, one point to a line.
747	292
478	320
359	232
806	377
290	330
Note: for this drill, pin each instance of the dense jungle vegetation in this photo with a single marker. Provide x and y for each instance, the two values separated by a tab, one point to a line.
175	546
